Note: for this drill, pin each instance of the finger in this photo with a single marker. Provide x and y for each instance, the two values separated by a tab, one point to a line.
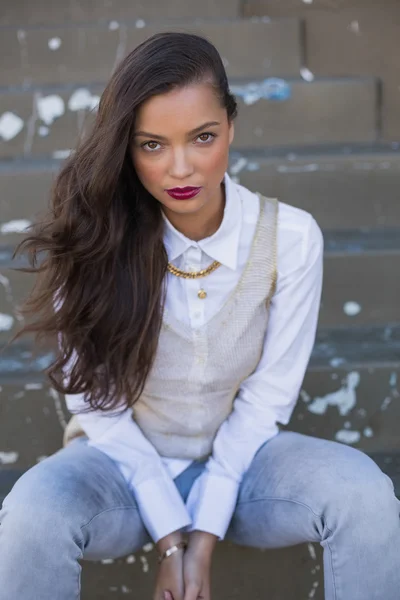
168	595
191	592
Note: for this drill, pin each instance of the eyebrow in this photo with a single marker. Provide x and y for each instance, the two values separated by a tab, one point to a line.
161	137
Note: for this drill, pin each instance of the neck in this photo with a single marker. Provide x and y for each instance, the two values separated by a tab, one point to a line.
205	222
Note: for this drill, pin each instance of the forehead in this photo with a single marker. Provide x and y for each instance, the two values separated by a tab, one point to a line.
183	108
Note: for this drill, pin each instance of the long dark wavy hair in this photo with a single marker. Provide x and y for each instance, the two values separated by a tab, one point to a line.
98	251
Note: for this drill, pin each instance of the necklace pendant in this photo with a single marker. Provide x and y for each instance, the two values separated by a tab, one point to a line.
202	294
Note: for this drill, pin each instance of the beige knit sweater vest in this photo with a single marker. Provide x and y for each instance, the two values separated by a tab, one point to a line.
197	372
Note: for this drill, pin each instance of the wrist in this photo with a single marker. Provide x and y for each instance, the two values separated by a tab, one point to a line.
169	540
202	541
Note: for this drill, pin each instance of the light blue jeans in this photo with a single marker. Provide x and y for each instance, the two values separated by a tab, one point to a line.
76	504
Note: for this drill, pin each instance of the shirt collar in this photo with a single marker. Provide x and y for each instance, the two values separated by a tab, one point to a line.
223	245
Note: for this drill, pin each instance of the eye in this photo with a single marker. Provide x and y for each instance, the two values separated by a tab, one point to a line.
210	137
146	146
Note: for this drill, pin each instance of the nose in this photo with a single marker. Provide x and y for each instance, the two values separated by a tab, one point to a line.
180	166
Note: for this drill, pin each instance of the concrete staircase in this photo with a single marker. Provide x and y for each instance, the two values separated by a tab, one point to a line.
317	128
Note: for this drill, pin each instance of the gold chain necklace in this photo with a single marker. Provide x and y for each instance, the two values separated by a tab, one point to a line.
202	294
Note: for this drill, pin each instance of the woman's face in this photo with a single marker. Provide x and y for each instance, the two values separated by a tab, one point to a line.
182	138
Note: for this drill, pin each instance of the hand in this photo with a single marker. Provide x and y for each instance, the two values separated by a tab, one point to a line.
197	566
169	580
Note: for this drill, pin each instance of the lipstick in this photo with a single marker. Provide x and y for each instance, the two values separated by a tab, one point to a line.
184	193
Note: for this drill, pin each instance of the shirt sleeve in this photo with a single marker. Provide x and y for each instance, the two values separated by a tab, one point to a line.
145	471
268	395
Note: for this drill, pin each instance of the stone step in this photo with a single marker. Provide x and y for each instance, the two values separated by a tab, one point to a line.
20	14
343	187
359	287
46	121
283	7
345	39
70	55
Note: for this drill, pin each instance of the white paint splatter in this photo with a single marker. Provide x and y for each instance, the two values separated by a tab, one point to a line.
61	153
311	168
125	589
15	226
82	99
140	23
305	396
313	590
57	404
238	166
312	552
107	561
43	131
351	309
145	564
6	322
54	43
253	166
113	25
306	74
10	125
272	88
336	362
387	402
308	1
348	437
33	386
345	398
355	27
368	432
148	547
8	458
41	458
347	425
50	108
130	559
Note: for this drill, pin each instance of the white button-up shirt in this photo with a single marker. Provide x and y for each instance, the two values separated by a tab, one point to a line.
265	398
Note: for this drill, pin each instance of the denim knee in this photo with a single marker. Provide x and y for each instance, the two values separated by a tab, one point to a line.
358	490
35	512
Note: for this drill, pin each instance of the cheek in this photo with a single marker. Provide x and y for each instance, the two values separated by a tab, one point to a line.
217	157
148	171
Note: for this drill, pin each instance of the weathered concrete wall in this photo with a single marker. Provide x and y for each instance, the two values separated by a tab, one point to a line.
318	92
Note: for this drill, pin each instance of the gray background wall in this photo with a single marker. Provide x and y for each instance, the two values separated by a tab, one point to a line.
330	146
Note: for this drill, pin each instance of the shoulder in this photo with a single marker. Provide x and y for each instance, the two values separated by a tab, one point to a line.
299	237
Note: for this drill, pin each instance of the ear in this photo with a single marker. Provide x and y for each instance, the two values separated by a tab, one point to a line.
231	131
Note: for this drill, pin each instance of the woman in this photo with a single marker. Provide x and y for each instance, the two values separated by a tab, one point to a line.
186	308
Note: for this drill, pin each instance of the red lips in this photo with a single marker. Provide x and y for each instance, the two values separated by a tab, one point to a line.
183	193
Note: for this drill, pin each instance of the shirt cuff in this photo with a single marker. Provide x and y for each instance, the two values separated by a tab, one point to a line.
161	507
211	503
